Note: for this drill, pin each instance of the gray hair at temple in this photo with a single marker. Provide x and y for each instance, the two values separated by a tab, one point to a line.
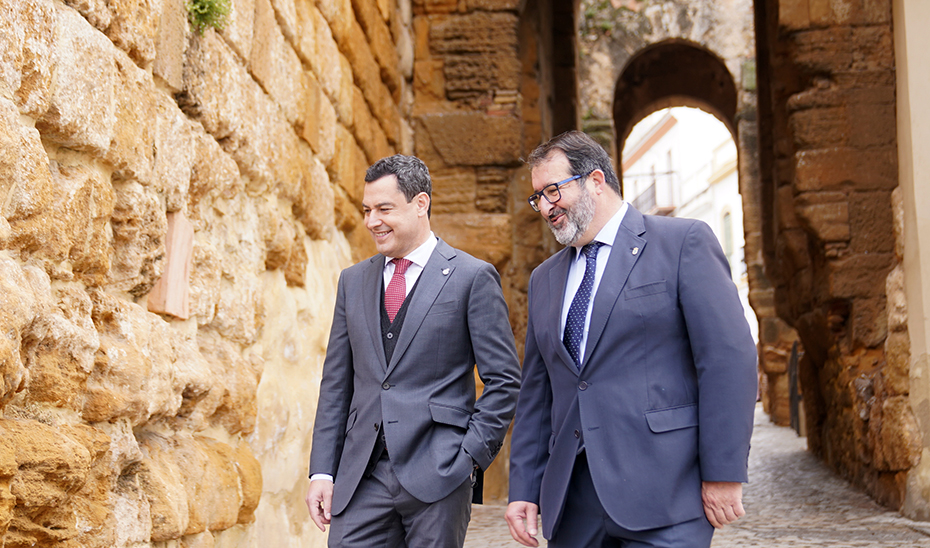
583	153
412	176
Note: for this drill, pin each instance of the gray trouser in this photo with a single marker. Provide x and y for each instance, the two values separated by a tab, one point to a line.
382	514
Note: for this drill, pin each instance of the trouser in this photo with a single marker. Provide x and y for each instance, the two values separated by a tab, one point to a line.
585	523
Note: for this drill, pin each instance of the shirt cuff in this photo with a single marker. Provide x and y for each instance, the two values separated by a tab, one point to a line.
326	477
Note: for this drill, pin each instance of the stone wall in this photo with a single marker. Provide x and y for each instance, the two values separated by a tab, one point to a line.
831	217
175	210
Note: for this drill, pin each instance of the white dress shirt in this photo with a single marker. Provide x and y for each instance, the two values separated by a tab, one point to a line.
417	258
606	236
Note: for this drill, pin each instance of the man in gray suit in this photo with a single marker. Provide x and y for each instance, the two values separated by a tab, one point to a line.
399	438
639	377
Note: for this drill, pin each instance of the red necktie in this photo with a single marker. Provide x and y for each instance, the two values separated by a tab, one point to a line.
396	291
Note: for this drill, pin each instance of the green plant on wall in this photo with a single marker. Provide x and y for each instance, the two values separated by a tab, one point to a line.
207	13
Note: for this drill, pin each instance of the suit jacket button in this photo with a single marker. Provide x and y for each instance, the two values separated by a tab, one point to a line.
577	434
377	426
386	385
582	385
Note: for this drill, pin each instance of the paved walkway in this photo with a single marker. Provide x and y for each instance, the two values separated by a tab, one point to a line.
792	501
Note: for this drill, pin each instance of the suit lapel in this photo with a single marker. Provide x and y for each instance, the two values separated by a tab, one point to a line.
627	249
374	279
558	275
435	274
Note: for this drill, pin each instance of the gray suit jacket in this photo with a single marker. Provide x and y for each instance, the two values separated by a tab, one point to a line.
665	396
425	397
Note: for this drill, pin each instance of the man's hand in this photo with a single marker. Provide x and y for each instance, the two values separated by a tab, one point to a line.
320	502
521	518
723	502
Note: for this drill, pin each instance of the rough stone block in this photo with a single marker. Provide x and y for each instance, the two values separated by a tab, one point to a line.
478	74
429	80
315	202
136	349
861	275
825	214
158	476
486	236
275	64
18	305
55	468
96	12
339	16
309	120
174	146
454	190
237	410
171	44
344	170
240	27
897	299
134	27
286	15
82	111
794	14
250	482
139	225
820	127
363	126
304	40
430	7
896	373
213	173
59	350
132	142
475	33
493	194
493	5
871	221
837	167
869	322
899	443
473	138
26	61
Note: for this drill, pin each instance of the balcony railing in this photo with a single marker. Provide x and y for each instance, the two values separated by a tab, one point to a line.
646	201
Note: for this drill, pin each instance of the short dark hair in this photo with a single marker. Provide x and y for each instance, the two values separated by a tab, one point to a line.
411	173
584	156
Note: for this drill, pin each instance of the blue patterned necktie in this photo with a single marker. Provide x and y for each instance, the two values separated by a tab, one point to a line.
578	311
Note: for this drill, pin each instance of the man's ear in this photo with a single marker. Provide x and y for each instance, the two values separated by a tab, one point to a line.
600	183
423	201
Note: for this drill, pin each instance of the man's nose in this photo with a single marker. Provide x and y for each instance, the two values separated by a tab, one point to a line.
372	221
545	207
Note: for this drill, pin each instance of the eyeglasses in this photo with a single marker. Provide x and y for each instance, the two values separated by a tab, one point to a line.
551	192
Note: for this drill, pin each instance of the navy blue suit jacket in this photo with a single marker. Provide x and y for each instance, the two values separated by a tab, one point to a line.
665	395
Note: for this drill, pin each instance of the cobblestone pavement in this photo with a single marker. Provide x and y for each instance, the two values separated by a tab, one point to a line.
792	501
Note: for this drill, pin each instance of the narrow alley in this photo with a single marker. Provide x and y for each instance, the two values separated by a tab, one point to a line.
792	501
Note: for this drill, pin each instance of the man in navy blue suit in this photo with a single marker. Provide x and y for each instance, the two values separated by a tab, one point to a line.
639	375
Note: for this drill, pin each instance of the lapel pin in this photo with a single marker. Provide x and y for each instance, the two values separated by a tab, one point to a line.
445	271
635	250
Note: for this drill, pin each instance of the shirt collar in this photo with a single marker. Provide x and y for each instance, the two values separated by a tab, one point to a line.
421	255
608	232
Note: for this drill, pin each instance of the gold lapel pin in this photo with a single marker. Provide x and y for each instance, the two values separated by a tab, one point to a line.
445	271
635	250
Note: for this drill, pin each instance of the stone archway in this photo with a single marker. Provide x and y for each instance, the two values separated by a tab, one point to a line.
673	73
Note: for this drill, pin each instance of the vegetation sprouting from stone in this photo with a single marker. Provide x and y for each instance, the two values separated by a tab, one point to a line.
207	13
